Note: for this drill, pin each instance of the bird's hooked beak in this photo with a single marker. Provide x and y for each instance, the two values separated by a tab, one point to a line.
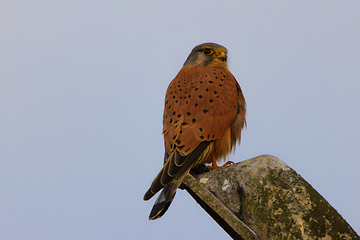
222	56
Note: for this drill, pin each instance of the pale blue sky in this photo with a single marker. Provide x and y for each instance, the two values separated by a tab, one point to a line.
82	86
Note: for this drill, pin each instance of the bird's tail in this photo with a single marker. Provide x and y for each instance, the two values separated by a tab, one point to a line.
170	177
164	200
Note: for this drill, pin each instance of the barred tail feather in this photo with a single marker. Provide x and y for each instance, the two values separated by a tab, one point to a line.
164	200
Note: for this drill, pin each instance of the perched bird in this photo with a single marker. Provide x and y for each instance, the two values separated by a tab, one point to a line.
203	118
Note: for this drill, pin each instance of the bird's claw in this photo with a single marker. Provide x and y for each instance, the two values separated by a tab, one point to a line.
215	166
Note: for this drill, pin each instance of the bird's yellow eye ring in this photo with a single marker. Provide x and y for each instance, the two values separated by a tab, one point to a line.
208	51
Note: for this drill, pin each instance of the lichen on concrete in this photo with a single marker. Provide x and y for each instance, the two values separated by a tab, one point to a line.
324	220
275	202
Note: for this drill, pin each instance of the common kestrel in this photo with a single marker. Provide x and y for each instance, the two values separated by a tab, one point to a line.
203	118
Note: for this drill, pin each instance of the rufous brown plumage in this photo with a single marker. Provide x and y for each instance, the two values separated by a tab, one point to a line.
203	117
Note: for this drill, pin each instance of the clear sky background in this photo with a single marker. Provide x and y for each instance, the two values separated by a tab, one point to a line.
82	87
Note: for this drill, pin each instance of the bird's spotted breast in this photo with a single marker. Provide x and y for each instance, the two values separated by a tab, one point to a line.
199	104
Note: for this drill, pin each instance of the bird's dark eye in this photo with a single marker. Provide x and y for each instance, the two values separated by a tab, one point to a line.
207	51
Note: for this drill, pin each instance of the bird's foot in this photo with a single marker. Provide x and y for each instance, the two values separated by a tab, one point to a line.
215	166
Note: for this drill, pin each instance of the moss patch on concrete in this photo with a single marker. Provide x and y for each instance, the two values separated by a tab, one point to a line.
271	206
324	220
284	206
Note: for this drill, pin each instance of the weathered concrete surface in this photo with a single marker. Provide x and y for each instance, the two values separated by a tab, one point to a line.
270	201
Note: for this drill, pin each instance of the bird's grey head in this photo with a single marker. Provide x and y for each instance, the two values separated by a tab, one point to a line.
207	54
